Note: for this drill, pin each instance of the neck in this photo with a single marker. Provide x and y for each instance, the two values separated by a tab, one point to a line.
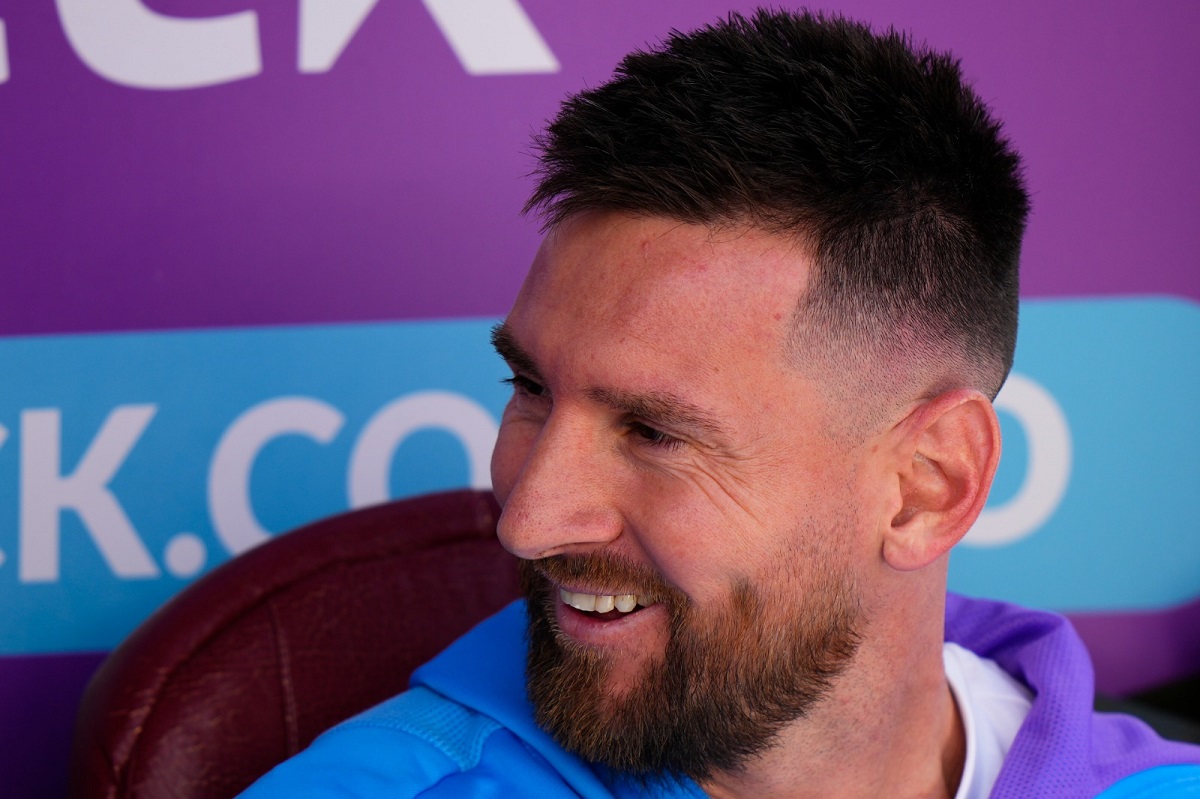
890	726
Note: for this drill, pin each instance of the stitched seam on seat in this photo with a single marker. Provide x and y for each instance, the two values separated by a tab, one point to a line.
484	515
287	686
459	537
167	673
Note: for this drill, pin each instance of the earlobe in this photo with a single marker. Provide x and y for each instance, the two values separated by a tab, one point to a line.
946	453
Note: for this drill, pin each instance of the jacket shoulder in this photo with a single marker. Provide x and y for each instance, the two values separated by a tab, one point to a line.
414	745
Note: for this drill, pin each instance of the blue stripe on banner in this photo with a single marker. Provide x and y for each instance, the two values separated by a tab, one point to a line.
1098	484
132	463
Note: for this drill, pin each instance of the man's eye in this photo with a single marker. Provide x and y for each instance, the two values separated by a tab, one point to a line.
523	385
653	437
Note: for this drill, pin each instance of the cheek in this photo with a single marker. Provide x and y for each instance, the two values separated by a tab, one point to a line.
697	537
705	530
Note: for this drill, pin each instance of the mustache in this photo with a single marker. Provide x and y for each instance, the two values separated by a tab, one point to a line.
601	569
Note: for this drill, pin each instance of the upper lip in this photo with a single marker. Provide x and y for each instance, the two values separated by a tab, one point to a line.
601	592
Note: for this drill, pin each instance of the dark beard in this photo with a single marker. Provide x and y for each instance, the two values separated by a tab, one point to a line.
729	681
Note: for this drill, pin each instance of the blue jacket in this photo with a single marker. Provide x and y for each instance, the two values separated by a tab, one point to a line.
465	728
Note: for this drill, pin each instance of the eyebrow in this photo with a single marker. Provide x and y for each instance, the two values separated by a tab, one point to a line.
506	346
660	408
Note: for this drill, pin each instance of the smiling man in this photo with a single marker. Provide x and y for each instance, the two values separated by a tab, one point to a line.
662	451
753	365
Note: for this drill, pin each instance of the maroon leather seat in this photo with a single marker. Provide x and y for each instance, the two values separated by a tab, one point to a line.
249	664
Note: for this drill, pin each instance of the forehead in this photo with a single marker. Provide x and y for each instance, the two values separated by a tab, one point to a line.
662	283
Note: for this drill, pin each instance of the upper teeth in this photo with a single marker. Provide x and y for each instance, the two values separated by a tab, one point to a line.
600	603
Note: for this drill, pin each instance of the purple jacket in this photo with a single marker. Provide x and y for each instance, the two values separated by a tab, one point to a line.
1063	749
465	729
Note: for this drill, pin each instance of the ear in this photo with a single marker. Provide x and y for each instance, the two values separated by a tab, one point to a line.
945	455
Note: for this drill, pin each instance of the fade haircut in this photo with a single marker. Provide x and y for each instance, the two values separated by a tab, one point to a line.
872	152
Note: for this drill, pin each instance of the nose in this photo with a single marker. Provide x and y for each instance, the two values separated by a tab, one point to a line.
557	487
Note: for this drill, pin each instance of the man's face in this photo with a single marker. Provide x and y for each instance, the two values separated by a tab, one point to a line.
661	453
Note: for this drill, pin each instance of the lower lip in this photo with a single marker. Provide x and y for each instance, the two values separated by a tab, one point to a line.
589	629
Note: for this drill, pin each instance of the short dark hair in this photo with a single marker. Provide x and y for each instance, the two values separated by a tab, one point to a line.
874	152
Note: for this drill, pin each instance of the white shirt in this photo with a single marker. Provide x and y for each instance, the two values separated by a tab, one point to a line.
992	704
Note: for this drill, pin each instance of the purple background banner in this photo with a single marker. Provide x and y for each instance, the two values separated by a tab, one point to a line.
390	185
387	185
